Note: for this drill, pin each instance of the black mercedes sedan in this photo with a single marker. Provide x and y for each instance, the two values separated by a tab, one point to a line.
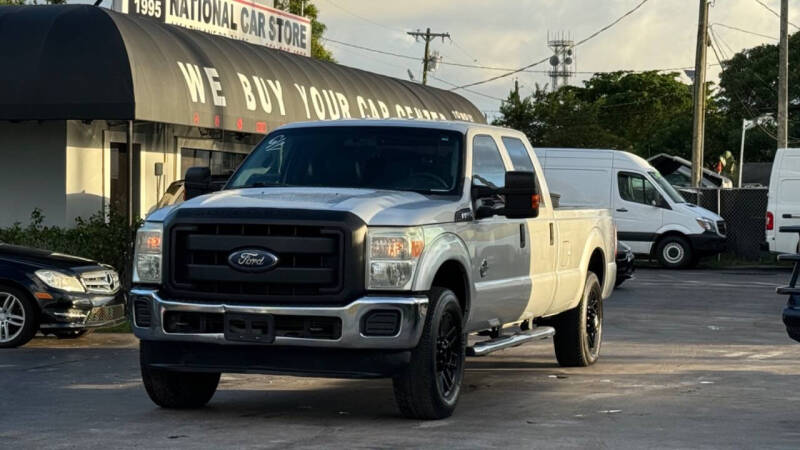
58	294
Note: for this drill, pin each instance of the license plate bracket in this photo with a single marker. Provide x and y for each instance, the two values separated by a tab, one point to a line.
258	328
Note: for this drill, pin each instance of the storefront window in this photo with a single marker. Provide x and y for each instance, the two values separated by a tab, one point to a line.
219	162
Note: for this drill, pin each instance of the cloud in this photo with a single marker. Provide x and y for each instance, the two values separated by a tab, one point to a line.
513	33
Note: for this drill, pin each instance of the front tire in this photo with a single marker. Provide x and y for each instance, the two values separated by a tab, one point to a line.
178	390
430	386
18	320
579	331
674	252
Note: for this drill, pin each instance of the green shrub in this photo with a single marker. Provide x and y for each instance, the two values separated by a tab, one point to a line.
104	238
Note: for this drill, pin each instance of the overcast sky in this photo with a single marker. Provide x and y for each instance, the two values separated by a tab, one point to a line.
513	33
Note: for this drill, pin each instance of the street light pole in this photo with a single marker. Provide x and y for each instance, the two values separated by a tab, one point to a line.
741	150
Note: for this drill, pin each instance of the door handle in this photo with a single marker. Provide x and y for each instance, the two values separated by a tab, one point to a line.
552	237
791	216
622	210
522	235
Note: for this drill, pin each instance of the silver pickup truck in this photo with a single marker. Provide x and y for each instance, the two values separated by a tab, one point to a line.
368	249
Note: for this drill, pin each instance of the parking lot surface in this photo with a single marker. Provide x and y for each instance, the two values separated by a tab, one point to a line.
691	359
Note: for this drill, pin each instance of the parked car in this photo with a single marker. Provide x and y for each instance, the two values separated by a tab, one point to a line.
58	294
783	201
176	191
368	249
678	171
625	260
791	314
653	219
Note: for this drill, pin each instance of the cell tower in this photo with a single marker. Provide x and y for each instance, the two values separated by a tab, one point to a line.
563	59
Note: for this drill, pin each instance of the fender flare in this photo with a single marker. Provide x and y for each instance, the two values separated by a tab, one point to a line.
445	247
594	241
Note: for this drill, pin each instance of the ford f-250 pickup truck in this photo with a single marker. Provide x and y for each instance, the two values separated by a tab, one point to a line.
368	249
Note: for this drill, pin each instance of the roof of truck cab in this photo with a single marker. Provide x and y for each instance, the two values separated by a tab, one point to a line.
451	125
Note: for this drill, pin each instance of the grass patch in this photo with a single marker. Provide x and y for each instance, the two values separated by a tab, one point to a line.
124	327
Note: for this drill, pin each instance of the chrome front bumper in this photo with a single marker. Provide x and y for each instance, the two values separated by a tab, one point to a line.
412	309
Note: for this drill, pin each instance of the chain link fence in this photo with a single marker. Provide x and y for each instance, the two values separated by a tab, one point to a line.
744	210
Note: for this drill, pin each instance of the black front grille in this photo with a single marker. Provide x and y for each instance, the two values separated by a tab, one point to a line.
722	227
318	260
307	327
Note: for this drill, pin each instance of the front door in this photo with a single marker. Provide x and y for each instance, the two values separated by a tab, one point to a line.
637	219
499	248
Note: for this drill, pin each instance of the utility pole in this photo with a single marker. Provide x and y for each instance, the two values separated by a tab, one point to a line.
427	36
783	78
698	126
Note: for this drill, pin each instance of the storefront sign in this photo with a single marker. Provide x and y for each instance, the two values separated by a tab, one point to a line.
248	21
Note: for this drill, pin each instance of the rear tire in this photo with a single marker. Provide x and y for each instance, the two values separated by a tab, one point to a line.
674	252
178	390
18	317
430	386
579	331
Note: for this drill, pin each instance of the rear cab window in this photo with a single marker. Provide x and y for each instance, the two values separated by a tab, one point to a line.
520	158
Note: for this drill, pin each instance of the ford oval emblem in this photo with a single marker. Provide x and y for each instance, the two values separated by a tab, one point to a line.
252	260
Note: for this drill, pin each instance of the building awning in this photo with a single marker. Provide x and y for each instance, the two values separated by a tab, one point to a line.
79	62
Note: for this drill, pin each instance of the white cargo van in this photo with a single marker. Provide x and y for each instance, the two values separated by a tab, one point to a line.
651	216
783	205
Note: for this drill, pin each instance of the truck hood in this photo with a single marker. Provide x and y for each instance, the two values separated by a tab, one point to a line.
374	207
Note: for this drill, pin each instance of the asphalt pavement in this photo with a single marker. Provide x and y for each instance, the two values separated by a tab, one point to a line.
690	359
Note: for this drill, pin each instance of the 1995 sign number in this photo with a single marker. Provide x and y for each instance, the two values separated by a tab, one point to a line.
152	8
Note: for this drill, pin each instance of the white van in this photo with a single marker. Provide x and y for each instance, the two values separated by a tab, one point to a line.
783	204
651	216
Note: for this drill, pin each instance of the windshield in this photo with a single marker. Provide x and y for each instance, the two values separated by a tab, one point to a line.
666	187
396	158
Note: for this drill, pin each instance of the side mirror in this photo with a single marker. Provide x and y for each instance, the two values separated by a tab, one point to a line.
197	183
522	195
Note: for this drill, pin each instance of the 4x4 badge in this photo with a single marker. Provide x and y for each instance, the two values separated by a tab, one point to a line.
252	260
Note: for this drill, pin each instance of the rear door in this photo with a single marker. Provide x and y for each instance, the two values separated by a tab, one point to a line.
498	246
787	200
637	219
542	232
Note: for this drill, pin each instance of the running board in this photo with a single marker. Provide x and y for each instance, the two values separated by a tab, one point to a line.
492	345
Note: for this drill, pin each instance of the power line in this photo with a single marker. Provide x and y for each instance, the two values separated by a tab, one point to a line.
365	19
414	58
505	69
469	90
776	13
463	50
591	36
743	30
746	107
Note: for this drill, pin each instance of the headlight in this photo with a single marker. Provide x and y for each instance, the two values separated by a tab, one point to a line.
392	256
147	254
60	280
705	224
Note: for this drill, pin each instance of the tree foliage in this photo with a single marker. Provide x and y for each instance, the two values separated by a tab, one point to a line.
638	112
308	9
